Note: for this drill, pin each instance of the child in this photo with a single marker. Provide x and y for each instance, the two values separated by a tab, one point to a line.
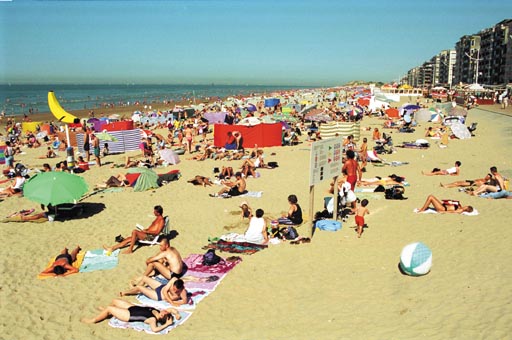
105	150
360	212
246	210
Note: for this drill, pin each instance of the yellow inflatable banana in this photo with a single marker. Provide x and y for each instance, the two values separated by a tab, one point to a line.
58	111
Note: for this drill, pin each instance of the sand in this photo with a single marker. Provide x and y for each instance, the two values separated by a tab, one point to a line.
336	287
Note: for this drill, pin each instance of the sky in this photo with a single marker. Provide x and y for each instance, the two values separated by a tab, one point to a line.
277	42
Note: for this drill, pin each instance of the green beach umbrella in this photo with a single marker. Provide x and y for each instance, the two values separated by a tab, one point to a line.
55	188
148	179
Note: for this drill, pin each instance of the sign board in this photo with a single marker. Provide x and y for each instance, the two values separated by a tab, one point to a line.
326	160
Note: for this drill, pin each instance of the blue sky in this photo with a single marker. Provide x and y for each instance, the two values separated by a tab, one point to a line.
230	42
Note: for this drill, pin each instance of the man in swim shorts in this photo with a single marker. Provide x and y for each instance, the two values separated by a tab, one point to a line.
351	169
235	188
147	234
167	262
96	148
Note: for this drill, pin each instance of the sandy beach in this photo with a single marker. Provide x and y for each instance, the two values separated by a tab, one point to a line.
336	287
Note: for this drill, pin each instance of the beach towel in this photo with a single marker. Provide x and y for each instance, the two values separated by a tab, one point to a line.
254	194
236	247
195	296
98	260
196	269
372	188
432	211
141	326
76	264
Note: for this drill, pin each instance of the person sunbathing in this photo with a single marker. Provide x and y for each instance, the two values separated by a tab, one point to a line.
453	171
114	182
466	183
173	292
390	180
62	266
15	188
445	206
236	188
128	312
147	234
496	183
200	180
49	154
168	262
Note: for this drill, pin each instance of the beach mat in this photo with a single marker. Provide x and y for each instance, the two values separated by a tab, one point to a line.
76	264
196	269
236	247
143	327
98	260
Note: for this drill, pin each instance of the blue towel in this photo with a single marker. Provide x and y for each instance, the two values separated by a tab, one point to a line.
98	260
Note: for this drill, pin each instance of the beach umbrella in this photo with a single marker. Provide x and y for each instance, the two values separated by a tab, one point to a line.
460	130
307	108
392	113
106	136
423	116
411	107
55	188
251	108
146	180
169	156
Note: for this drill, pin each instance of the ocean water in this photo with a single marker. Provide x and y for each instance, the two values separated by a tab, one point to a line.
27	99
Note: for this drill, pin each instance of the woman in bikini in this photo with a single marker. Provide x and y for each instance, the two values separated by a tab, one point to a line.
445	206
63	264
173	292
128	312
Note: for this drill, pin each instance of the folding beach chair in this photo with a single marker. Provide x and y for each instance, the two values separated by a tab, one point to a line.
163	233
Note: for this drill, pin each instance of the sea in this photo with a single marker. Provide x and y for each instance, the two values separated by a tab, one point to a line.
32	99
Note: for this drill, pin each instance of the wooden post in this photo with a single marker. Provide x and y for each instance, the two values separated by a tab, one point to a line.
311	208
335	198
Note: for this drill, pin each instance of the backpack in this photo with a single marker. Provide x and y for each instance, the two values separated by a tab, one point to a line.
395	193
210	258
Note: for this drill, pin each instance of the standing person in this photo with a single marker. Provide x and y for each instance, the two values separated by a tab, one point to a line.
294	215
87	144
352	170
360	212
96	148
363	154
9	155
189	136
147	234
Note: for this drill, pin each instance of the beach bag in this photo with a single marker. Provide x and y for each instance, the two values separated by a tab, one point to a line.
272	164
290	233
210	258
329	225
395	193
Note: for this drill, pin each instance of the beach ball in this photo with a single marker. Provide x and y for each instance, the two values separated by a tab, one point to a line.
416	259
